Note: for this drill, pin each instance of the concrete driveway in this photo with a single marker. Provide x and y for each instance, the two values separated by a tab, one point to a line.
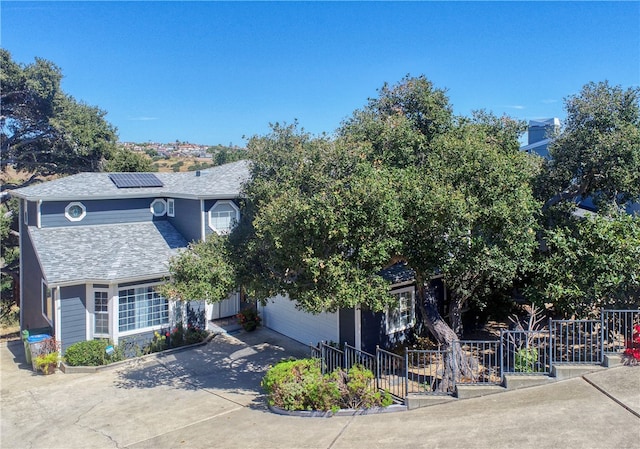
209	397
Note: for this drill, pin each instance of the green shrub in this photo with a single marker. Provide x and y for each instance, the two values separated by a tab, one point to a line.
300	385
525	360
91	353
357	389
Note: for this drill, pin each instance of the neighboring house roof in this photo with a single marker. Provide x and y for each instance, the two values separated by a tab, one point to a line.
398	273
221	182
119	252
535	145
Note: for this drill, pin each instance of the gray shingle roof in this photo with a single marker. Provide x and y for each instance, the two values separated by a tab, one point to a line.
118	252
224	181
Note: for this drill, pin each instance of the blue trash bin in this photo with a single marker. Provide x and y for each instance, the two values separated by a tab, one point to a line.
36	347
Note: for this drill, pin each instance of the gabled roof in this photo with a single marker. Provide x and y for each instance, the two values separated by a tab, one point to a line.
221	182
115	252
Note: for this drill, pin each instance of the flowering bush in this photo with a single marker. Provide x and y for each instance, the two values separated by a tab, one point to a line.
248	318
631	354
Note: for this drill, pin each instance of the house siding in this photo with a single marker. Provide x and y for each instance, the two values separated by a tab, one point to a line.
31	306
187	218
73	315
347	326
130	210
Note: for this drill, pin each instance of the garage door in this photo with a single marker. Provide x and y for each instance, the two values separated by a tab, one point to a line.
281	315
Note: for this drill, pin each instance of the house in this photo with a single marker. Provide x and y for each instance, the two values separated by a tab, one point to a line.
359	327
540	136
94	246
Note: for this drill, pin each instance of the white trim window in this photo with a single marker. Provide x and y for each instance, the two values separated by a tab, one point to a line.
223	216
101	312
140	308
403	314
47	302
75	211
171	208
158	207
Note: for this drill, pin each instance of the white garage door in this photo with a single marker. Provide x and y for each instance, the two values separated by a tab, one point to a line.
281	315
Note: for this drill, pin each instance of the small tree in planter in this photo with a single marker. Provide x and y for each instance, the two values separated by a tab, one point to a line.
249	319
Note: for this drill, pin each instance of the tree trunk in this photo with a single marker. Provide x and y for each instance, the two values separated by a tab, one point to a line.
456	362
455	316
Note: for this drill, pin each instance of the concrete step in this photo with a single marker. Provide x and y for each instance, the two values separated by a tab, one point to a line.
474	391
561	372
611	360
516	381
424	400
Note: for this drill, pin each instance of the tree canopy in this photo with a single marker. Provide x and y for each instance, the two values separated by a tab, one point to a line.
597	154
43	130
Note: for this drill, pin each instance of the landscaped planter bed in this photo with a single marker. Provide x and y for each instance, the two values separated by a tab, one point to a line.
67	369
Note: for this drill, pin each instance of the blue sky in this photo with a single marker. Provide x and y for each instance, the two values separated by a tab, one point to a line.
213	72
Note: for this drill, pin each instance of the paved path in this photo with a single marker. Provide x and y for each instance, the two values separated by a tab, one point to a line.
209	397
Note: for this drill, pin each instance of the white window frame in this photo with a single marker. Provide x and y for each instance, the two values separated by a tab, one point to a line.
74	204
138	330
234	220
164	205
25	212
391	327
171	208
47	302
95	313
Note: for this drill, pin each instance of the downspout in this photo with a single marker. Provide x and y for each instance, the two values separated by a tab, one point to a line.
58	316
38	219
203	236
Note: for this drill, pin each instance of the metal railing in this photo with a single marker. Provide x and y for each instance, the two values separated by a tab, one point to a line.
486	362
525	352
576	341
482	359
391	374
426	371
354	356
617	328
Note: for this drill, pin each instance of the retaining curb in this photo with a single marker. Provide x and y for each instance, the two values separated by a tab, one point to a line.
342	412
67	369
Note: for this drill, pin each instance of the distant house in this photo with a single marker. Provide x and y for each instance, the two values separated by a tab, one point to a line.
94	246
540	136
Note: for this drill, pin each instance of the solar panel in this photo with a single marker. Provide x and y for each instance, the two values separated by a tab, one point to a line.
135	180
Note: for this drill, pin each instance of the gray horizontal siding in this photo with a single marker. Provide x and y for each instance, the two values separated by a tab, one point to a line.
73	322
187	218
130	210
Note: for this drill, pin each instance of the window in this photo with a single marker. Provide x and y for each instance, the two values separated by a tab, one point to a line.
75	211
223	216
25	210
47	302
158	208
171	209
140	308
101	313
402	315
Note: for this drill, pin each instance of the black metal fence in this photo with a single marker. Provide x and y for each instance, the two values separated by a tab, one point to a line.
485	362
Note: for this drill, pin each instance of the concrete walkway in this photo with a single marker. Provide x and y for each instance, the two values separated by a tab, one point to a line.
209	397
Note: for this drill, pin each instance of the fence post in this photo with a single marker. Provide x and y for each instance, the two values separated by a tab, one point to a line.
501	354
344	357
377	367
552	342
602	314
406	374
